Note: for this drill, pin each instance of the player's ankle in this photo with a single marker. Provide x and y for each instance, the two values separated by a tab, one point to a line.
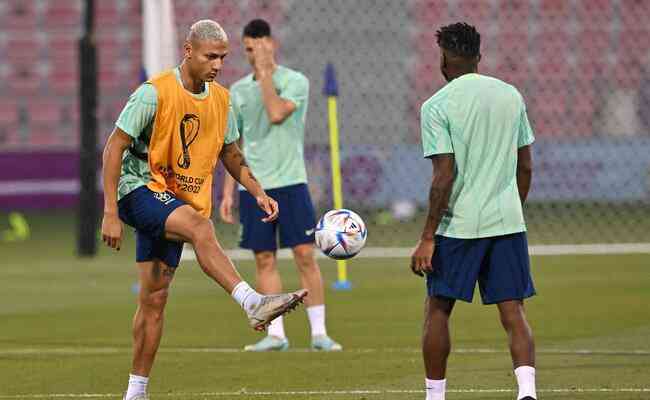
246	296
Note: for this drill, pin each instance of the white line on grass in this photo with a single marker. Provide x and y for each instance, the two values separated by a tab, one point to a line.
244	392
405	252
176	350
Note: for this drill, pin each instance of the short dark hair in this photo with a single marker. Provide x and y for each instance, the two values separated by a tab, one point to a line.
257	28
461	39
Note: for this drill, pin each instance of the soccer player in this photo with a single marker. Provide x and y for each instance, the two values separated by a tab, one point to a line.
476	132
270	105
158	166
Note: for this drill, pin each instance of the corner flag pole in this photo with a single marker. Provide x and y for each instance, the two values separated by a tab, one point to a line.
331	90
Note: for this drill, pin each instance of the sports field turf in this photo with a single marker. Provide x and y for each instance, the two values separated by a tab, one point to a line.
65	331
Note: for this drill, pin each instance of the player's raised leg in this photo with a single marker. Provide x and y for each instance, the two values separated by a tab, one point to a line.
154	278
436	344
187	224
522	346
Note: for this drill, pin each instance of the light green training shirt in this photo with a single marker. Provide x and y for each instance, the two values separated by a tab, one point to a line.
274	152
483	122
136	120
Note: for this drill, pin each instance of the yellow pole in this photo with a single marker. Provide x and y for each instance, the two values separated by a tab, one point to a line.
336	175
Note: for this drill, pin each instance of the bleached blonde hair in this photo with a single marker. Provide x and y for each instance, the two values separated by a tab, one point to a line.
206	29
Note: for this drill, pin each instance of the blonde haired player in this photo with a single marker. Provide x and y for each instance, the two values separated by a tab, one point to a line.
158	166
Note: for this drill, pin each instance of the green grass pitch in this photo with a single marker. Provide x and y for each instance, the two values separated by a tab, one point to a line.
65	329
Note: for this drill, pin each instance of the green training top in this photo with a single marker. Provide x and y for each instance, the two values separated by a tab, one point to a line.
274	152
482	121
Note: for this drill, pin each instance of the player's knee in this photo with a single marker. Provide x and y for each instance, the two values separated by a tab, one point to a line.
203	230
154	302
265	261
512	319
304	256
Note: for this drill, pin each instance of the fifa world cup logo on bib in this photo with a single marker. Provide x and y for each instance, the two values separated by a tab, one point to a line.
188	130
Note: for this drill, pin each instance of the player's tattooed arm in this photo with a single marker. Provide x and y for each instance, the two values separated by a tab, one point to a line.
443	179
235	163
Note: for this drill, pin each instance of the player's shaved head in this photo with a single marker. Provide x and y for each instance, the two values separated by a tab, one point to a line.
460	46
206	29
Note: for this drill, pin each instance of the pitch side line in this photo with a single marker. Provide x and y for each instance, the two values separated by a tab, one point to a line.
176	350
405	252
321	393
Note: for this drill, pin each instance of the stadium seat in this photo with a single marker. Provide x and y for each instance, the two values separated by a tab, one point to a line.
110	48
23	79
584	104
63	15
634	13
479	13
19	14
8	112
592	51
548	108
44	112
63	48
595	14
63	79
23	46
45	120
553	14
107	13
513	15
133	14
431	13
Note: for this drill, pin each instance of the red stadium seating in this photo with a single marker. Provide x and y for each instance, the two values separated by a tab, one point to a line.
513	15
64	77
595	14
22	47
479	13
9	124
23	79
63	15
63	48
431	13
634	13
19	15
107	13
553	14
548	109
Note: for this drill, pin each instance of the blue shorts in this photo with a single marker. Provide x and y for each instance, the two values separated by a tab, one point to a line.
295	223
500	264
147	212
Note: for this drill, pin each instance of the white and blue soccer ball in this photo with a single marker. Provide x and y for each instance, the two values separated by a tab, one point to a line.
341	234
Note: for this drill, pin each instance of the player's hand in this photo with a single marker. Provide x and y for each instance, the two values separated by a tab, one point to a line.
421	257
264	57
112	231
269	206
225	210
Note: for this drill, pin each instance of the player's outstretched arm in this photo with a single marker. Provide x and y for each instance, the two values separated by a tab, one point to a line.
443	180
235	163
524	172
116	144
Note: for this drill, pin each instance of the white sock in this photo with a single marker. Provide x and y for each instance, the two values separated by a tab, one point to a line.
277	328
245	296
435	388
526	381
137	386
317	320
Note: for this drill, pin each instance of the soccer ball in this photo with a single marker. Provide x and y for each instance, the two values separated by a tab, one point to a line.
341	234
